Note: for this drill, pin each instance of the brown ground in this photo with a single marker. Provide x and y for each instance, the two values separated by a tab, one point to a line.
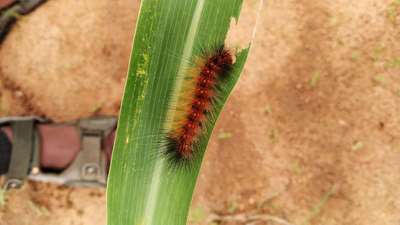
314	121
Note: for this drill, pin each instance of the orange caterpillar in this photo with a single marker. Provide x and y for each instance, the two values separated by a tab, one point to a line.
196	102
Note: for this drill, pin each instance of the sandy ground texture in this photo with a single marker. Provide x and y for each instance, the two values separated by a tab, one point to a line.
311	134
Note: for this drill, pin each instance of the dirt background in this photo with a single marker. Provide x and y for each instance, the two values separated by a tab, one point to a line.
311	134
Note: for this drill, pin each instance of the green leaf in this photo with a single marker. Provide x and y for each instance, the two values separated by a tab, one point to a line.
143	189
315	79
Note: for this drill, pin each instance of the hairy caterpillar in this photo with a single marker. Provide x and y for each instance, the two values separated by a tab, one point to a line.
196	102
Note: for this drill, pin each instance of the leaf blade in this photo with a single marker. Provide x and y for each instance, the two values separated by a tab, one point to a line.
141	187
